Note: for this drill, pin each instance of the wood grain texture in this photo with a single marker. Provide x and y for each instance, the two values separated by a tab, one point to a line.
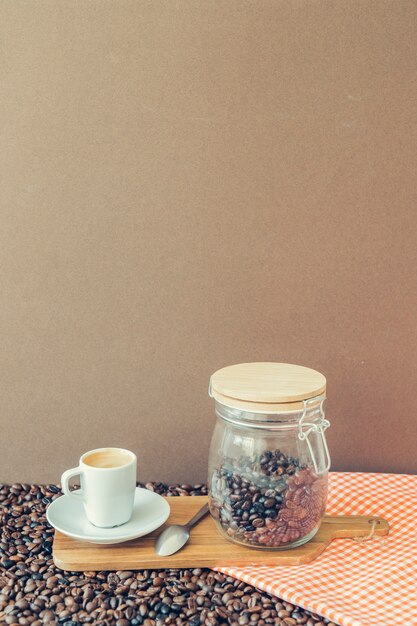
268	382
206	548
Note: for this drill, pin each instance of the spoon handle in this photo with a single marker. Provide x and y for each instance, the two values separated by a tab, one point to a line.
197	517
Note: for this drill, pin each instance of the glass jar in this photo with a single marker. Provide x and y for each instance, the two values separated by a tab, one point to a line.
269	461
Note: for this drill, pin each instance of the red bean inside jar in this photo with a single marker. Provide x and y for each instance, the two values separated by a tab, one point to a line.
269	461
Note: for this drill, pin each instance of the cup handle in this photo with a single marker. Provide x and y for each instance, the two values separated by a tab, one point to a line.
66	477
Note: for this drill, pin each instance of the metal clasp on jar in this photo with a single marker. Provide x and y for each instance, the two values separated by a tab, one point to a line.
305	428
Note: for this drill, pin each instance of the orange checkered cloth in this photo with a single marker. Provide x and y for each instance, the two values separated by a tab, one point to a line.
354	584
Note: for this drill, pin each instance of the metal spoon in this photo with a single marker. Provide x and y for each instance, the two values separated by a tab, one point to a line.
174	537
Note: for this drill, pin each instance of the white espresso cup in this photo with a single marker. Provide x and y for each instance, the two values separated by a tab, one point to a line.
108	484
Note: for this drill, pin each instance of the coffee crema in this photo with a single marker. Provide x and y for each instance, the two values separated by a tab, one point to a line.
108	458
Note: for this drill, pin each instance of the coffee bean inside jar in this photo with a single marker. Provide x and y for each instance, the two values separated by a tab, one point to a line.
269	501
260	494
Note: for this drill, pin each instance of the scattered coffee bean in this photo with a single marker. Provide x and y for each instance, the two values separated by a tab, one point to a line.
33	591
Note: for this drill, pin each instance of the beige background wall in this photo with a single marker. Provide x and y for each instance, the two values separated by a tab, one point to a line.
187	185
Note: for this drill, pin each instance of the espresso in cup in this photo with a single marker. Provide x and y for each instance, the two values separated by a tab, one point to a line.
107	458
108	485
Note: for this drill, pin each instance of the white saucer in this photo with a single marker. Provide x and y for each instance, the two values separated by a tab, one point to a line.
67	515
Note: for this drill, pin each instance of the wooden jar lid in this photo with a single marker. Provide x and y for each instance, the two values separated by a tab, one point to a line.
266	387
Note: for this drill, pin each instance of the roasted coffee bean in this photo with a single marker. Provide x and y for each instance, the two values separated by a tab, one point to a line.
34	592
274	499
258	522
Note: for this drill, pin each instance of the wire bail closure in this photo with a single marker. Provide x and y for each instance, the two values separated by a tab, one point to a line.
319	428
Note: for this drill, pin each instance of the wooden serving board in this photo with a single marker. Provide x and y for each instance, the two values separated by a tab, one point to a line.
206	547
